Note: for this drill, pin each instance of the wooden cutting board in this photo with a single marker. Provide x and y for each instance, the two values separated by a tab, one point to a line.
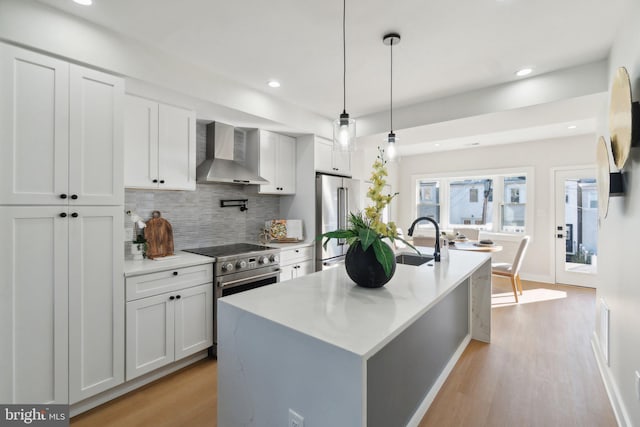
159	235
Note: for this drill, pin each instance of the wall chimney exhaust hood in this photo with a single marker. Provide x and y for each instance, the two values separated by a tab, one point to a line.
220	165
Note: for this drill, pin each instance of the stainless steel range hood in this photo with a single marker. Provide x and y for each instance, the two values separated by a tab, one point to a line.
220	165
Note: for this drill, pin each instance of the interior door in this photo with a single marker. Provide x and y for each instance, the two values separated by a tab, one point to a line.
576	227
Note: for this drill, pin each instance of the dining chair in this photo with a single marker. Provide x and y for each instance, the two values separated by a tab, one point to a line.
512	271
469	233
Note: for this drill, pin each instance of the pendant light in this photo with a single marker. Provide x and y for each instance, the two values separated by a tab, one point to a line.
391	39
344	128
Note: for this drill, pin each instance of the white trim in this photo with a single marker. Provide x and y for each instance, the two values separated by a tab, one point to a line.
446	177
617	404
428	400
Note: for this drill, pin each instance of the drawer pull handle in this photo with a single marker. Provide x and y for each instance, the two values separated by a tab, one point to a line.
175	273
63	196
177	296
172	297
63	215
74	196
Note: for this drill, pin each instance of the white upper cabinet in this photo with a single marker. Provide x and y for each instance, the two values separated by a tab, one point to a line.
60	132
274	156
329	161
160	145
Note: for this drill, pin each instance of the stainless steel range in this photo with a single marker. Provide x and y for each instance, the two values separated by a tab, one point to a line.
239	267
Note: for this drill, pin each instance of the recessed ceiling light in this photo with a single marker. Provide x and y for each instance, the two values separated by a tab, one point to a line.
436	144
524	72
572	127
273	83
84	2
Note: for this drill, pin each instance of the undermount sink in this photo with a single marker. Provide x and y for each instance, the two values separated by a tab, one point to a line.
413	259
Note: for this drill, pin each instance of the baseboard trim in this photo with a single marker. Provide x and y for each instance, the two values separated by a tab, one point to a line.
122	389
428	400
619	410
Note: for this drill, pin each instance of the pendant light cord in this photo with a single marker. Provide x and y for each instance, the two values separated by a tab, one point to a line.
391	89
344	57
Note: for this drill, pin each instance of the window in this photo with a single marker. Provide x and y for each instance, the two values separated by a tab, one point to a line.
492	202
428	199
471	202
514	206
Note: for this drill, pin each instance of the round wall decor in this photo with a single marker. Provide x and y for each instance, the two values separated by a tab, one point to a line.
620	117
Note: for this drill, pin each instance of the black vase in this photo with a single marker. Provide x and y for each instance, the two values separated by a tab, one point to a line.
364	269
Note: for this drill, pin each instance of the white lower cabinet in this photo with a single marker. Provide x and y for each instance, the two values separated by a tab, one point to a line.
168	326
296	262
61	302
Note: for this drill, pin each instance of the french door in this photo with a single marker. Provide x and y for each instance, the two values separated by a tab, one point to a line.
576	227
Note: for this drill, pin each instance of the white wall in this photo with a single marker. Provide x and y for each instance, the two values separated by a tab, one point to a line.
541	155
617	256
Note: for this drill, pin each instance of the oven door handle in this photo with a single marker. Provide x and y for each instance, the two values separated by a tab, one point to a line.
248	279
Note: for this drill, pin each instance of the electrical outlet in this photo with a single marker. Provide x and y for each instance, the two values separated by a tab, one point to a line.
638	385
295	419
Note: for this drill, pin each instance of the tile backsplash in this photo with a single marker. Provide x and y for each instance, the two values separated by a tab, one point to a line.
196	216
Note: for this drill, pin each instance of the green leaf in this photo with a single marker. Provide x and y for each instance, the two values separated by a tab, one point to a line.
367	236
337	234
384	255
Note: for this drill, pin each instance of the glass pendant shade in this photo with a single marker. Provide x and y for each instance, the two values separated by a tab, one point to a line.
391	145
344	133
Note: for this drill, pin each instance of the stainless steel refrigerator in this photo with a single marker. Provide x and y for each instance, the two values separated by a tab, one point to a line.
335	198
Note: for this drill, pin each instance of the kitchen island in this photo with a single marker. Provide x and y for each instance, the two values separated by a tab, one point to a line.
341	355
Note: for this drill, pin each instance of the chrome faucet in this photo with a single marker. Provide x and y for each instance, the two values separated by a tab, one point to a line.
436	254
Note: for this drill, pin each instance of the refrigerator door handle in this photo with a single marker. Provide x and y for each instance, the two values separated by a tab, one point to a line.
342	209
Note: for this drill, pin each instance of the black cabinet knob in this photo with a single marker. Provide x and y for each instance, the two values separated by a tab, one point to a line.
297	251
172	297
63	215
177	296
75	214
63	196
162	181
74	196
155	181
175	273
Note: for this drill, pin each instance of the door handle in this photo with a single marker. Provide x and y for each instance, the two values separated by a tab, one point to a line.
560	236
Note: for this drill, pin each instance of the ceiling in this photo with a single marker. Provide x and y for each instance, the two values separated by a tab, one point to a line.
445	50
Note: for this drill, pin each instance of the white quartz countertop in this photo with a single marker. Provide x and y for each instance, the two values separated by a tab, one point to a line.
328	306
182	259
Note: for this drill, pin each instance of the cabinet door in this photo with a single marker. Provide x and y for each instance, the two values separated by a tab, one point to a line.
286	165
268	156
176	148
342	162
150	336
287	272
194	320
33	305
34	127
96	301
141	143
323	150
95	140
305	268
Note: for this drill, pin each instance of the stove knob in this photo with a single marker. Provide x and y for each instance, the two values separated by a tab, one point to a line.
227	267
274	258
263	260
241	264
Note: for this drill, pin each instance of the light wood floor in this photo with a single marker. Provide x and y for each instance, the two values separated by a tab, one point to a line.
539	370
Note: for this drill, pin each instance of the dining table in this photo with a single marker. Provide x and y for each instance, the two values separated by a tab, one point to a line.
473	245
